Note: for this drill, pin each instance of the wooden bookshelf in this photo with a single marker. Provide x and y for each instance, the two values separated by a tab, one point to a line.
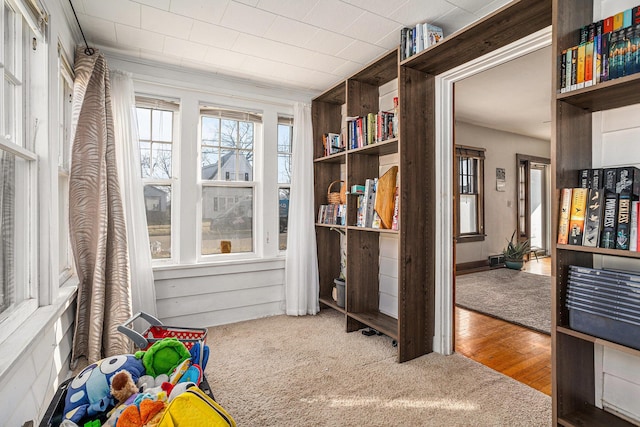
574	382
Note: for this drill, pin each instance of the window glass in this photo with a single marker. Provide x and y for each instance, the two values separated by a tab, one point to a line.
285	138
157	200
227	220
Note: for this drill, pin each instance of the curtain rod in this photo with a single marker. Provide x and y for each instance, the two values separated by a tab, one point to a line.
88	50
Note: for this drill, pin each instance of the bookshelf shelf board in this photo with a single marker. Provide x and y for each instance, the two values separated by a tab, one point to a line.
600	251
596	340
335	95
378	321
339	227
604	96
329	302
333	158
512	22
382	148
375	230
380	71
589	415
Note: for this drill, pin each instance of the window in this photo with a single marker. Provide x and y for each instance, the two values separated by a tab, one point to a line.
285	139
227	144
470	195
157	134
17	174
65	100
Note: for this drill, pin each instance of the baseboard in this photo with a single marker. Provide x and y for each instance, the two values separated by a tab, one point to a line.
472	267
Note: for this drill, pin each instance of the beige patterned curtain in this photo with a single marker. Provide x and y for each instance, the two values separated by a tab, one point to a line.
97	222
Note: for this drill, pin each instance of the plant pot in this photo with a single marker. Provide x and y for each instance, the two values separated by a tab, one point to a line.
514	264
339	292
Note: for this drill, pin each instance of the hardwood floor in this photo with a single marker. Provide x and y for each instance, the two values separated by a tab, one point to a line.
518	352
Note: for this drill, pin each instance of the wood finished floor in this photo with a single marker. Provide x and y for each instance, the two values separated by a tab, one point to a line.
518	352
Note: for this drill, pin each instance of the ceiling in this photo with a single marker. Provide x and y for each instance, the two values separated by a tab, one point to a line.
298	45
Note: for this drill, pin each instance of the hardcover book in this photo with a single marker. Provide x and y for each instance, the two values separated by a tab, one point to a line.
595	178
628	179
583	178
588	64
610	178
609	219
577	215
623	224
591	235
563	222
633	226
580	66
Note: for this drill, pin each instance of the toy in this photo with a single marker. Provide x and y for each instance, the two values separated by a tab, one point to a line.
163	356
122	386
140	415
89	392
147	382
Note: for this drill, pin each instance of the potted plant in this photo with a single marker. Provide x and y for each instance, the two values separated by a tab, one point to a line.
514	252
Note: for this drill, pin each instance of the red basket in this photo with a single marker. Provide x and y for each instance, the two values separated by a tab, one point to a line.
158	331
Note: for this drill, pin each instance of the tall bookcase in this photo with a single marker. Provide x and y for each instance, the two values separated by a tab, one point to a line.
573	352
413	329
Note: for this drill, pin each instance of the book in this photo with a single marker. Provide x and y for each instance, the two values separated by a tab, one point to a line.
580	66
394	223
563	71
609	179
609	219
618	21
577	215
591	235
630	52
434	35
633	226
588	64
563	222
623	225
595	178
568	71
574	68
583	178
628	179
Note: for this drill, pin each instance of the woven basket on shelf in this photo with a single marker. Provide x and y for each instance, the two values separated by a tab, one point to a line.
337	197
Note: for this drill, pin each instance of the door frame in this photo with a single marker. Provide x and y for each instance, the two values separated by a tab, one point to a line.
444	151
527	160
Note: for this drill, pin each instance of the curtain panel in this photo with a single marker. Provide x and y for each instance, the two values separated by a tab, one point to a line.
97	221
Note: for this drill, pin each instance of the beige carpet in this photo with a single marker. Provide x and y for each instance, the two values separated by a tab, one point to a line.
306	371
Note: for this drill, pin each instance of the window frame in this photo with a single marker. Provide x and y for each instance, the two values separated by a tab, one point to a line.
225	113
477	154
160	103
284	121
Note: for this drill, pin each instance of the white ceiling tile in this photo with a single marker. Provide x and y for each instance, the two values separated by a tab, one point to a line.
472	6
98	30
452	22
328	42
153	56
120	11
379	7
135	37
294	9
361	52
158	4
322	62
251	3
390	41
269	49
184	49
415	11
167	23
333	15
347	69
491	7
247	19
213	35
289	31
204	10
224	59
368	27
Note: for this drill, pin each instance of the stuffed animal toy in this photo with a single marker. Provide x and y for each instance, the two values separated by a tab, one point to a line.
89	392
122	386
163	356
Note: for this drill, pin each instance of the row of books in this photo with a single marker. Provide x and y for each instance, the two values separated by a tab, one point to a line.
416	39
606	50
366	215
332	143
598	218
362	131
332	214
614	180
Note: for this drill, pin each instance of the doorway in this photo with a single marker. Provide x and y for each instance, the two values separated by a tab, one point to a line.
534	203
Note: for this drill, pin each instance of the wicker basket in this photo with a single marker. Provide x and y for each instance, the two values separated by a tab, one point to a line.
337	197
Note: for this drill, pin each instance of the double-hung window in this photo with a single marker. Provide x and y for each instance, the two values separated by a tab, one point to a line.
470	194
65	99
228	141
157	133
17	175
285	139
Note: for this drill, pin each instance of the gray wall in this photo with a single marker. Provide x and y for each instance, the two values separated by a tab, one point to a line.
500	208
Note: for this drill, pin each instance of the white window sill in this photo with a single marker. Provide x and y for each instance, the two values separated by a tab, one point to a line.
21	342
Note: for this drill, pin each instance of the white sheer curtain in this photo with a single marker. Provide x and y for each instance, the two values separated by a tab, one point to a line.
143	295
301	277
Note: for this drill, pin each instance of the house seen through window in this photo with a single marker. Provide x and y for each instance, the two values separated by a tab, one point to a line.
285	140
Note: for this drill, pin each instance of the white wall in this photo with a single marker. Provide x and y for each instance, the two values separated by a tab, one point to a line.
615	143
500	208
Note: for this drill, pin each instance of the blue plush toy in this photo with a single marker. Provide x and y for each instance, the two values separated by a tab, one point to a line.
89	393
